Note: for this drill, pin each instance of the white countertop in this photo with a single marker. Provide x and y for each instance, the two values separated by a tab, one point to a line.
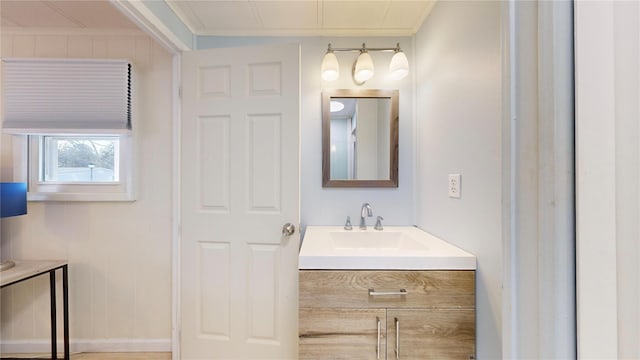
394	248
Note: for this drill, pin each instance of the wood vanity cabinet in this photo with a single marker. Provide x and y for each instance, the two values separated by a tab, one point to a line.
366	315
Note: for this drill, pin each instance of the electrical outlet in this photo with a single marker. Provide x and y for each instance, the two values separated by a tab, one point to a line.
454	185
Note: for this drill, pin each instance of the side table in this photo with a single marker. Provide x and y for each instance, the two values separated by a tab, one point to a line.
27	269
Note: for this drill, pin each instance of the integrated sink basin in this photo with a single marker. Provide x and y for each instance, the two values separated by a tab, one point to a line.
372	240
394	248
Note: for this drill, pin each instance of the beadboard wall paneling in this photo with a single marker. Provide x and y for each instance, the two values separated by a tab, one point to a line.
119	253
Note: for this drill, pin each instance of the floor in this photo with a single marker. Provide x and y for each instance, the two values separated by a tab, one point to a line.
97	356
124	356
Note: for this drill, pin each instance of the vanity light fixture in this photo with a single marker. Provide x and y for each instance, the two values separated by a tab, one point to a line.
363	68
330	67
399	65
335	106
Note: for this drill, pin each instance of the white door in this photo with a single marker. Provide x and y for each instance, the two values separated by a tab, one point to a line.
240	185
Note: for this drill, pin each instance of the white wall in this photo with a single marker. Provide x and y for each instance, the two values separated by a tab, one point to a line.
458	122
608	179
330	206
119	253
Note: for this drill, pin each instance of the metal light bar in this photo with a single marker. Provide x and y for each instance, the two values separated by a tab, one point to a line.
364	48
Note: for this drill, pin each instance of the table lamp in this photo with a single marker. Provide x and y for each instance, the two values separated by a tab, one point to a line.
13	202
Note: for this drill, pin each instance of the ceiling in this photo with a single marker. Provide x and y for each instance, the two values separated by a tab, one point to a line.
348	110
302	17
88	14
237	17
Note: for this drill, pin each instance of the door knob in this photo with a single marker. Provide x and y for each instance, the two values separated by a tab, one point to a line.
288	229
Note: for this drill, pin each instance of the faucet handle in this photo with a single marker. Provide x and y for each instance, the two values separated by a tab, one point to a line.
347	225
378	225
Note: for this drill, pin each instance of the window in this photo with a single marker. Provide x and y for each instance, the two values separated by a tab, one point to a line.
80	167
72	126
76	159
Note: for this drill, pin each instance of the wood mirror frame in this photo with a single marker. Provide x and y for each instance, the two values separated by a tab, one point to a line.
327	95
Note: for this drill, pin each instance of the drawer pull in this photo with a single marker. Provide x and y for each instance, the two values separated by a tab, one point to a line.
373	292
378	348
397	338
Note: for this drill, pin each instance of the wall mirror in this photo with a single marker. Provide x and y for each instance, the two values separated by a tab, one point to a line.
360	138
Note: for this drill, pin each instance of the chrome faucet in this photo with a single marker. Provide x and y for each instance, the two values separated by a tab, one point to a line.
379	224
365	210
347	225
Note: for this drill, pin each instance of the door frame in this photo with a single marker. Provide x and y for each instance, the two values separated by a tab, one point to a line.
150	24
176	208
538	181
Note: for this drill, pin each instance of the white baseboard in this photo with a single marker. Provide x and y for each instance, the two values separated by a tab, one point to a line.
86	345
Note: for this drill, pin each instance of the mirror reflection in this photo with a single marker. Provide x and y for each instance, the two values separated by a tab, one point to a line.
360	138
360	132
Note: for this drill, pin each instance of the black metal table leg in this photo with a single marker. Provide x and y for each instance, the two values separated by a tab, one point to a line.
52	285
65	301
51	269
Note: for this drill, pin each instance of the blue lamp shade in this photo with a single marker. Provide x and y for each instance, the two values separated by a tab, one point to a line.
13	199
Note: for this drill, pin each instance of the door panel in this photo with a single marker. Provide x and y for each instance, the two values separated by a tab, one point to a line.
240	127
213	158
214	305
264	162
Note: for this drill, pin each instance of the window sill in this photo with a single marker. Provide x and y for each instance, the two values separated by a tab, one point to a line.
45	196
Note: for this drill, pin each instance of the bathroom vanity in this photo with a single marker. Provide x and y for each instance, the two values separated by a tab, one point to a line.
399	293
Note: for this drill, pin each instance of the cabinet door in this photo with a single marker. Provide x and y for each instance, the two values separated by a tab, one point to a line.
430	334
342	334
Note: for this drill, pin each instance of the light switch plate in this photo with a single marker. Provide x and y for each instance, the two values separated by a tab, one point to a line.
454	185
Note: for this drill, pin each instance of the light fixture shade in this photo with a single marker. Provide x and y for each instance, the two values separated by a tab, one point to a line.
364	68
335	106
330	67
399	66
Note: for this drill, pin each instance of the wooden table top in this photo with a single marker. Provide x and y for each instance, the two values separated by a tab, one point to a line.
27	268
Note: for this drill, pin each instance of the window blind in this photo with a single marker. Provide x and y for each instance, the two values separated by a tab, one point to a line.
66	96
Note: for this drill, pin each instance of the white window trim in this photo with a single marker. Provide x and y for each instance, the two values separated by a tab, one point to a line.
27	152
